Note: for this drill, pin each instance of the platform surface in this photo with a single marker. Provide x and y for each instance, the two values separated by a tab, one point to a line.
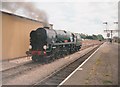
100	69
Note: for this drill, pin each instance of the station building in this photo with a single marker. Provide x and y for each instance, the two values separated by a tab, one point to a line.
16	35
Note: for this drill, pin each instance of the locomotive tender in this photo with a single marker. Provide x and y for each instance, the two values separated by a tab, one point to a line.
47	44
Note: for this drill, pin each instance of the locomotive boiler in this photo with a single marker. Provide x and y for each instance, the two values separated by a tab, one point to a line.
47	44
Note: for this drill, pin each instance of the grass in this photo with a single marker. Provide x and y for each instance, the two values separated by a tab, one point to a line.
98	61
107	82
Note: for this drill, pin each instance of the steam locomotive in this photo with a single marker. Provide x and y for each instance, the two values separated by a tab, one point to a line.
47	44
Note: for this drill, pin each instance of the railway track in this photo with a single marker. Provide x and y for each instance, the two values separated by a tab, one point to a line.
12	72
56	78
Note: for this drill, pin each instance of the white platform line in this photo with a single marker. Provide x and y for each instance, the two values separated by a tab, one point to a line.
78	67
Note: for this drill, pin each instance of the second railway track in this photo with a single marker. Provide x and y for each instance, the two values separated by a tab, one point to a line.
12	72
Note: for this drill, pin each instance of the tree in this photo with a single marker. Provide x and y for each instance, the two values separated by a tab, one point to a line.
100	37
94	37
89	37
83	36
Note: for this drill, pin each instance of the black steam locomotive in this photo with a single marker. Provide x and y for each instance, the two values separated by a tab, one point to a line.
47	44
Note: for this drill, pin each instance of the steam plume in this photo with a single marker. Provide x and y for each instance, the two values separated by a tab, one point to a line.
27	9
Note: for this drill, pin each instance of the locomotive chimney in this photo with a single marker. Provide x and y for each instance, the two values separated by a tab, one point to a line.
47	27
51	26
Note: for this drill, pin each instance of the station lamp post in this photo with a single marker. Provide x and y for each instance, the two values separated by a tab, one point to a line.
106	25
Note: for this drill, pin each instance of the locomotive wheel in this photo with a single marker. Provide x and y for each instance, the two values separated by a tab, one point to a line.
67	53
46	60
35	58
52	58
62	54
56	55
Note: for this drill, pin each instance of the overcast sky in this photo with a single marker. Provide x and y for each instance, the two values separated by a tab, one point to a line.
81	17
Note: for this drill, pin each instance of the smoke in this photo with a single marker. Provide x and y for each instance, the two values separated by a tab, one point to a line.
27	9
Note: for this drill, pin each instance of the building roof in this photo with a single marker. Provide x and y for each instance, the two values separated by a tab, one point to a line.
9	13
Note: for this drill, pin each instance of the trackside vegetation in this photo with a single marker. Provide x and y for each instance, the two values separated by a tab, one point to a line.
92	37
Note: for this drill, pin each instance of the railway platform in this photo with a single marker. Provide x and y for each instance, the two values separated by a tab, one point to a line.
101	68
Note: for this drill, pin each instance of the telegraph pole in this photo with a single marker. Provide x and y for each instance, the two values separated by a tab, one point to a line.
106	25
